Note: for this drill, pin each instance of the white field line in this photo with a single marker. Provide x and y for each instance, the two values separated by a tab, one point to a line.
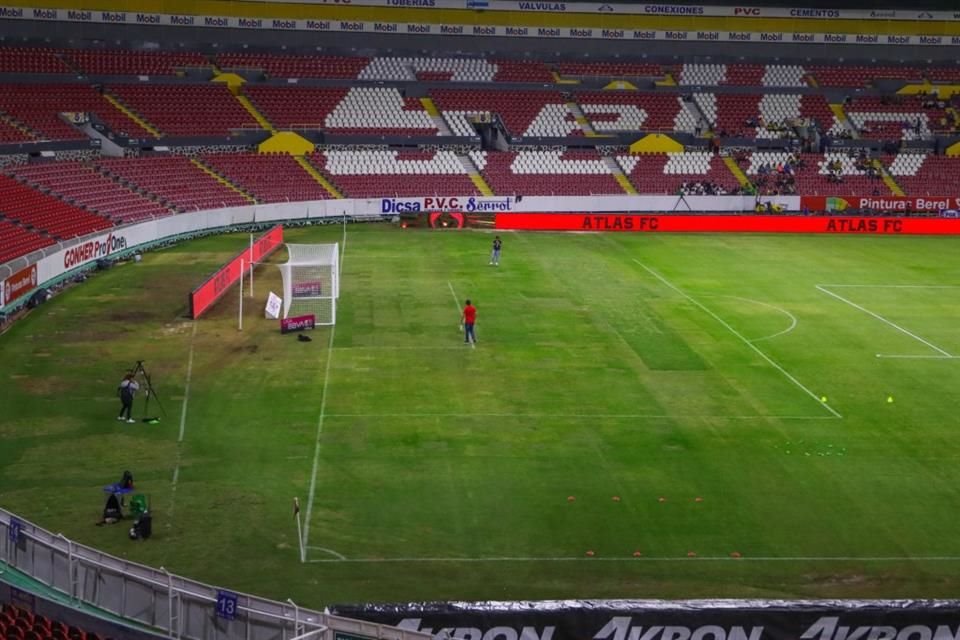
338	556
891	286
456	301
745	341
323	403
647	559
853	304
316	447
909	357
793	318
573	416
183	421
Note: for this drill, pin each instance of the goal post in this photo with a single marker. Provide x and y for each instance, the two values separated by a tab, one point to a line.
311	281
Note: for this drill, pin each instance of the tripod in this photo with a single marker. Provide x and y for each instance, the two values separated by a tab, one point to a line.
682	199
150	391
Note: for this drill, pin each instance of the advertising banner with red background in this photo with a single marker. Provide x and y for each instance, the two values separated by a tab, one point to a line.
204	296
19	284
726	223
883	204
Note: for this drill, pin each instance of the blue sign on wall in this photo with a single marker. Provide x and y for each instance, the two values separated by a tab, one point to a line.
13	530
226	605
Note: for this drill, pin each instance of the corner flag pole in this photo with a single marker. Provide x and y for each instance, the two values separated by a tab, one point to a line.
240	308
251	265
296	514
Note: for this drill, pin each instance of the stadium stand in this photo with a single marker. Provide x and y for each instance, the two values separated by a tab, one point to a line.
45	213
121	62
638	111
544	172
20	624
17	241
780	172
610	69
39	109
343	110
176	180
290	66
185	110
898	117
81	185
33	60
522	71
693	173
374	173
267	177
518	110
922	174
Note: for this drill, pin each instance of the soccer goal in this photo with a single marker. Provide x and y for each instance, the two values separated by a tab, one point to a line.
311	281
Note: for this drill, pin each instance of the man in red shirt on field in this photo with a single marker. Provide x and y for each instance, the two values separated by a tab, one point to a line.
468	319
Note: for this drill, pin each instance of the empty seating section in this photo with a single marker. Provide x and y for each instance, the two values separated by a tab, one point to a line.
342	110
522	71
375	173
517	109
920	174
31	208
379	110
122	62
636	111
430	69
815	175
82	185
910	118
862	75
697	74
175	179
280	66
185	109
267	177
666	173
10	133
17	241
781	75
39	107
31	60
746	75
610	69
295	107
542	172
20	624
737	114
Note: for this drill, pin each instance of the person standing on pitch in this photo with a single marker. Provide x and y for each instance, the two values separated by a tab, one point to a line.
468	319
127	389
495	252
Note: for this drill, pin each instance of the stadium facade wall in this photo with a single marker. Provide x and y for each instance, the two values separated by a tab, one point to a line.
821	34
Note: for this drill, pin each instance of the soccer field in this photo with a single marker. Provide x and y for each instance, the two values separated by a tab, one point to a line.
643	416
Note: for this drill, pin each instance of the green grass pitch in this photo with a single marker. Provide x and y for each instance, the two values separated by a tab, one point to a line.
671	385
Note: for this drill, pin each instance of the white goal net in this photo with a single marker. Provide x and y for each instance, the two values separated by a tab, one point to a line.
311	281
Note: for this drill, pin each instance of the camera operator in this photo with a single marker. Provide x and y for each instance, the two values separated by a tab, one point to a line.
127	389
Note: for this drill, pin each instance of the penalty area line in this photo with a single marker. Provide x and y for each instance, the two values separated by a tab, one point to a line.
323	406
316	447
183	421
456	301
740	336
853	304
